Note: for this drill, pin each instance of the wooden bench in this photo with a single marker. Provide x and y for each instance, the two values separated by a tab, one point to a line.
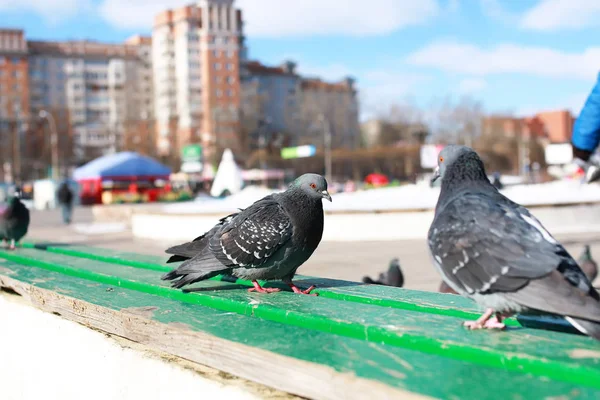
354	341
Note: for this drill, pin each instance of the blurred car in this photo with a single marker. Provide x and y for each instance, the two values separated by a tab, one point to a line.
377	180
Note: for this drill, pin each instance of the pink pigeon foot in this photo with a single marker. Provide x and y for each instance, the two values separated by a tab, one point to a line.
297	290
481	321
260	289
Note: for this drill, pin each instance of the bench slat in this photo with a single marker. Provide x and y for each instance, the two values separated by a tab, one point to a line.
87	301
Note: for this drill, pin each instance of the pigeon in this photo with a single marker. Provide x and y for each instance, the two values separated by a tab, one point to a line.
444	288
14	220
268	240
494	251
393	277
587	263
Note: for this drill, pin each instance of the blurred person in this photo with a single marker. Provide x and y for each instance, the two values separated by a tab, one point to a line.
586	137
65	200
496	182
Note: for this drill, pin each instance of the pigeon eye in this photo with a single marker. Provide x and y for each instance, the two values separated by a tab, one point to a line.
312	185
441	159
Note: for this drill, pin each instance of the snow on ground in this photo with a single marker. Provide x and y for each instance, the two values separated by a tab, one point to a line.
407	197
100	228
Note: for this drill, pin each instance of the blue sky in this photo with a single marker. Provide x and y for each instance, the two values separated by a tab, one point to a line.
514	56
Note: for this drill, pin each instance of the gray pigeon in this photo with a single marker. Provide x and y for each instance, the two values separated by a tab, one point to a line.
268	240
14	220
393	277
492	250
587	263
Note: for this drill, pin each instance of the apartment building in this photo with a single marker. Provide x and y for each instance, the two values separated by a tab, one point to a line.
337	102
196	56
86	82
14	85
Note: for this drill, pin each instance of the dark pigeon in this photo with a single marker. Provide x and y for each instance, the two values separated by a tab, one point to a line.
14	220
587	263
268	240
492	250
393	276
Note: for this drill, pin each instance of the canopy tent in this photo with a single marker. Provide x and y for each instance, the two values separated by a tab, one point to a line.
121	165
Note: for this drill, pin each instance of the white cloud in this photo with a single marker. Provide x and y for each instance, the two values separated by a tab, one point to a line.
267	18
574	103
550	15
471	85
51	10
508	58
136	14
274	18
494	10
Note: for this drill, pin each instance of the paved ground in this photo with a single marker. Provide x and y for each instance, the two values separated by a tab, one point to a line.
343	260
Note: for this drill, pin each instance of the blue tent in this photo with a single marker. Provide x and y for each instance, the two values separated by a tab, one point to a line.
125	164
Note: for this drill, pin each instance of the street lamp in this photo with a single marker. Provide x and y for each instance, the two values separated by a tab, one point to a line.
327	142
53	141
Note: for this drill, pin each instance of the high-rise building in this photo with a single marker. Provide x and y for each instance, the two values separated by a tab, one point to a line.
196	56
14	85
14	101
88	80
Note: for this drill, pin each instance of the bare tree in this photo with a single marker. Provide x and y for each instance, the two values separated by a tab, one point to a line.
456	122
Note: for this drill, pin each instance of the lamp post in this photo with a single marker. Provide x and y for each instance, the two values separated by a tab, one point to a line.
327	143
53	141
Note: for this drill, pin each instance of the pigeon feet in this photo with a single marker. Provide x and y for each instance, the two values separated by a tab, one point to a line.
297	290
486	321
260	289
12	245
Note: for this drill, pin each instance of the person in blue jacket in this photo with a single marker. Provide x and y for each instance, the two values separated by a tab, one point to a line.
586	136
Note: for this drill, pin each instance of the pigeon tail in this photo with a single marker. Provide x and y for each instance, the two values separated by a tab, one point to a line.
586	327
199	268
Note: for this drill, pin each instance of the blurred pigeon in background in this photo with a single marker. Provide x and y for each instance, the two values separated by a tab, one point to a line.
266	241
494	251
444	288
587	263
393	276
14	219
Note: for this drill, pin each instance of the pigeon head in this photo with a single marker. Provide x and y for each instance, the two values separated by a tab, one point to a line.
463	157
313	185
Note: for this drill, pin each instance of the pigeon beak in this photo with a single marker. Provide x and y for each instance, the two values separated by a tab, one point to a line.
436	174
326	195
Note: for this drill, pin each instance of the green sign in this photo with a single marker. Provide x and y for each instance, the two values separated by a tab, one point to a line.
298	152
191	153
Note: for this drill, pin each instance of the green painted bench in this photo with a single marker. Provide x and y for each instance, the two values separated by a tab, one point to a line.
353	341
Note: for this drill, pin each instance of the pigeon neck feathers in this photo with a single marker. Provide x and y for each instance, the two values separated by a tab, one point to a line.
466	170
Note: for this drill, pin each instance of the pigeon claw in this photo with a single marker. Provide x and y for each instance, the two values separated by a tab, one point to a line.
260	289
486	321
297	290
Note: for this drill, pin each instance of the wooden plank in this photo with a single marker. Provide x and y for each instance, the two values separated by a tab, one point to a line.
436	303
540	353
294	359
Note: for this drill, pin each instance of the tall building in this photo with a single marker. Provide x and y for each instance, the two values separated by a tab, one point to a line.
14	98
196	56
140	124
87	80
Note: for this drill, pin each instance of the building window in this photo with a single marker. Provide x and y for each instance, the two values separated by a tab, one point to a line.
219	93
230	80
16	60
17	74
229	92
230	53
229	66
2	60
225	40
215	53
217	66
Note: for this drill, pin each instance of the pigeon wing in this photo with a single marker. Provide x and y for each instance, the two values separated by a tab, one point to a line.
251	238
485	246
